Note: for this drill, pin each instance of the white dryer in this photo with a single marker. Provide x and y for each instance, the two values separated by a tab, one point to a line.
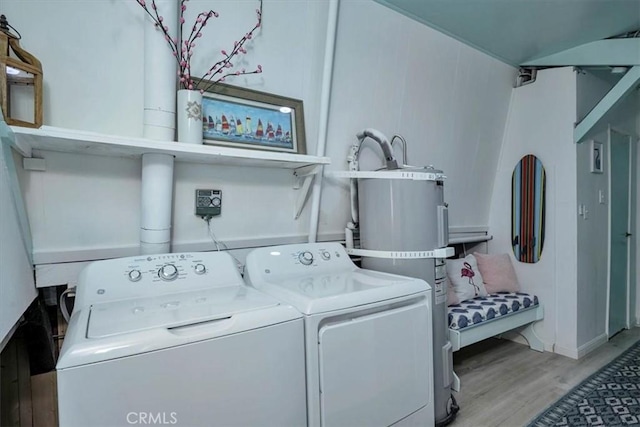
368	335
179	339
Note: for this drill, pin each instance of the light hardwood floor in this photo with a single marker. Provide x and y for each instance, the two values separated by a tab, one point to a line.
506	384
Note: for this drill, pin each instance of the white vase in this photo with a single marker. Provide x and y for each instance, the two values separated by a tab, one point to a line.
189	116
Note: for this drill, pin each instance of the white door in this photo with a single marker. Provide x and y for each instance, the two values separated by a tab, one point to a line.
619	147
375	369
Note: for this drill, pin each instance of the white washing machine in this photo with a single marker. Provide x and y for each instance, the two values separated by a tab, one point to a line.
368	335
179	339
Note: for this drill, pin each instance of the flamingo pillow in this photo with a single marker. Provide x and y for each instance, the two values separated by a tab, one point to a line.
465	278
452	298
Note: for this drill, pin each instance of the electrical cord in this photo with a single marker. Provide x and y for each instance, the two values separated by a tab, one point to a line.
211	234
219	244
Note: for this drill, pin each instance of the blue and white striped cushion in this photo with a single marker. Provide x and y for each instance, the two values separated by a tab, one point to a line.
481	309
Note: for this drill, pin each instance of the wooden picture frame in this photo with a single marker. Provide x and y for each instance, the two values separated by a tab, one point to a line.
597	157
247	118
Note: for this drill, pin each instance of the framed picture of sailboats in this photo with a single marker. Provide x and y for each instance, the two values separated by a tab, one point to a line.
246	118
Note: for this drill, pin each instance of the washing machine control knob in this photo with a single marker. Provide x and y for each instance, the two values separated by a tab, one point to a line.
305	258
200	269
325	255
135	275
168	272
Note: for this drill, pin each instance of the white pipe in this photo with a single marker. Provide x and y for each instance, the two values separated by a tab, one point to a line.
325	98
157	195
159	123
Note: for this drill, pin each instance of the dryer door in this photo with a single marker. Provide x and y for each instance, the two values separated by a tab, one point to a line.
375	369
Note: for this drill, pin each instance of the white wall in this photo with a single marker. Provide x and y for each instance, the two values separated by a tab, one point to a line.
634	243
593	243
540	122
449	102
87	207
593	237
636	237
93	60
571	277
391	73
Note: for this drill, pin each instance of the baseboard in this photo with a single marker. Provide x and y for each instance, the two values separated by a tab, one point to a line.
564	351
587	348
583	350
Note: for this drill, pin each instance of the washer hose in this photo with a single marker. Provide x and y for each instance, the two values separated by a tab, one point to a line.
63	302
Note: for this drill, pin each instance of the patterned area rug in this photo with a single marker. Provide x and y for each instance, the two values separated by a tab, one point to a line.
610	397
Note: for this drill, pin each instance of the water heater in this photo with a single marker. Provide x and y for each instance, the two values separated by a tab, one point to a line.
406	217
403	223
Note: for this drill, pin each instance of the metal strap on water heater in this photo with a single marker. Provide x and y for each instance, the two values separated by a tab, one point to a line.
396	174
436	253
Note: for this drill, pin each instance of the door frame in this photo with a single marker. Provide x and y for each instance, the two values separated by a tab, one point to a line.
631	189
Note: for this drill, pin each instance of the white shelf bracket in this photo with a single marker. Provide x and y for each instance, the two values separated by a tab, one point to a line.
300	174
303	177
34	164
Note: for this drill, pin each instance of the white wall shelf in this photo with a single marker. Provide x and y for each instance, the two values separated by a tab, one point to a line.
469	239
75	141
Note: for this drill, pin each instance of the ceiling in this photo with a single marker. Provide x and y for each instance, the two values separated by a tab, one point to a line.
517	31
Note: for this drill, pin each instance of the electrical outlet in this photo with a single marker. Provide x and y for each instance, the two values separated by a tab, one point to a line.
208	202
583	211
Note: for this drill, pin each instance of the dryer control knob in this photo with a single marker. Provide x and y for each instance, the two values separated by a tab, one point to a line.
305	258
168	272
135	275
200	269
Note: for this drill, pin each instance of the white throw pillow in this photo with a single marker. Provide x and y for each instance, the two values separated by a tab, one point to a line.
498	273
465	278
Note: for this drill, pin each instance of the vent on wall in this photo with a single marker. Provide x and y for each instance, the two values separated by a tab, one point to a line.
526	76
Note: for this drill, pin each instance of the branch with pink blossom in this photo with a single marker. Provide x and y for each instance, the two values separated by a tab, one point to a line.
183	49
